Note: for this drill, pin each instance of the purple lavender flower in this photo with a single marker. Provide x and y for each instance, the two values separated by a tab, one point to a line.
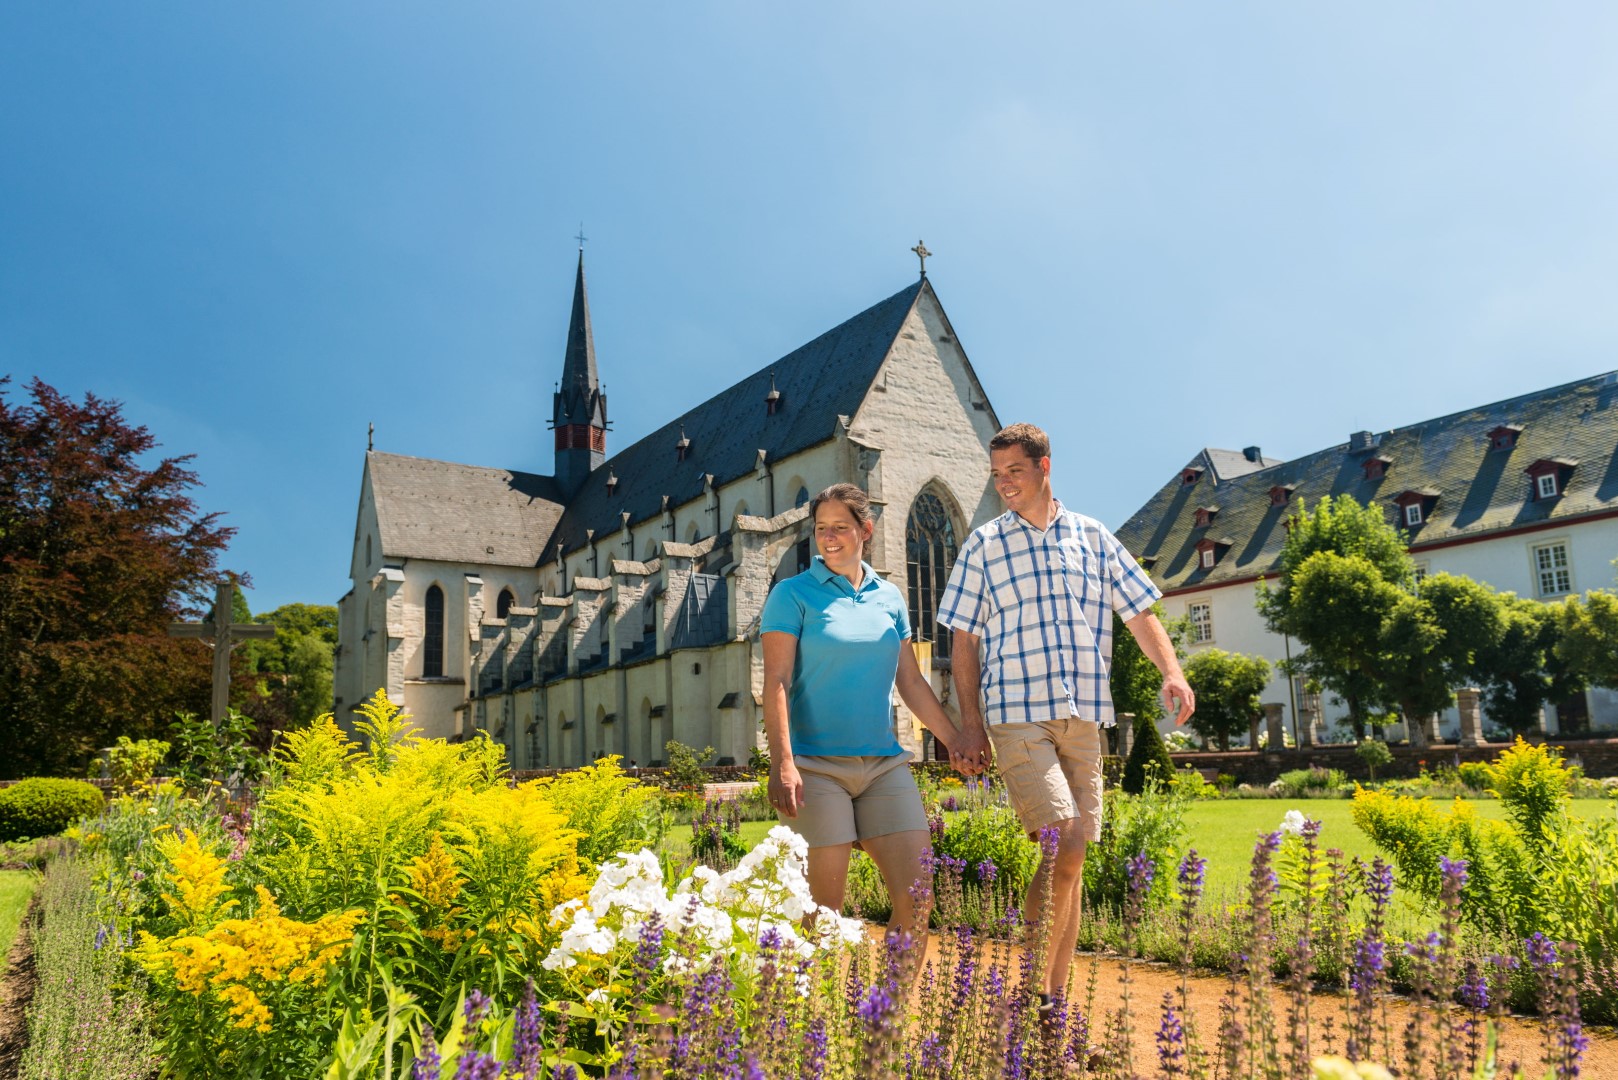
101	935
1474	988
478	1066
1453	871
815	1059
1171	1040
476	1008
1378	882
1541	952
427	1064
527	1035
1193	870
987	871
1370	961
649	951
875	1007
1141	870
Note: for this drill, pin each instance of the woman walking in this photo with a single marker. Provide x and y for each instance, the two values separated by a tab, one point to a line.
836	642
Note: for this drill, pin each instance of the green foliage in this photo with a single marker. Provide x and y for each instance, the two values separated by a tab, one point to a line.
1149	763
611	812
292	672
1533	783
1152	824
1527	668
225	753
716	835
685	765
130	763
1375	754
1227	686
1303	783
1589	644
1474	775
993	834
44	806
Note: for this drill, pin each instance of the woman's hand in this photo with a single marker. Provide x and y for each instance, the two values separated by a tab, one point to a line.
786	788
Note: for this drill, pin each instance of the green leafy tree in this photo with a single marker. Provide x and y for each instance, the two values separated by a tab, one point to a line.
1137	685
292	672
1149	763
1526	669
1343	569
1375	754
1227	686
101	547
1435	640
1589	644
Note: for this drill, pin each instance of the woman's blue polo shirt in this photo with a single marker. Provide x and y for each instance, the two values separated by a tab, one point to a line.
841	698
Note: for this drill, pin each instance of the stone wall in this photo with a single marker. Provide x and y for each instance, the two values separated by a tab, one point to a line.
1598	757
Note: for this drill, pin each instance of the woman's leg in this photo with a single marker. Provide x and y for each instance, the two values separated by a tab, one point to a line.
900	857
828	874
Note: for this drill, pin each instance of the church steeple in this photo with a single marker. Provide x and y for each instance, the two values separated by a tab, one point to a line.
579	414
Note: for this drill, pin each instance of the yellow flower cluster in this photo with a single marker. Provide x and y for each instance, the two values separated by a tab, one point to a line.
239	959
198	877
436	880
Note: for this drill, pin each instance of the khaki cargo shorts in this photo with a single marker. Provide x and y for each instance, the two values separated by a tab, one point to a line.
856	798
1052	772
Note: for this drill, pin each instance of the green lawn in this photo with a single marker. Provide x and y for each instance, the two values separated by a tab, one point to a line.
16	886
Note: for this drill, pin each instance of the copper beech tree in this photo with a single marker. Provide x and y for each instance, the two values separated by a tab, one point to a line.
100	548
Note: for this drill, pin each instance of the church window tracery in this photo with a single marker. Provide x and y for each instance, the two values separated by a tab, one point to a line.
432	639
930	549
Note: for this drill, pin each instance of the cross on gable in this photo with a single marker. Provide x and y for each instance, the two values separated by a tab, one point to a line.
219	629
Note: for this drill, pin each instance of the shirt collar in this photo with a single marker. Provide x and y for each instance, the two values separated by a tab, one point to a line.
1057	514
824	574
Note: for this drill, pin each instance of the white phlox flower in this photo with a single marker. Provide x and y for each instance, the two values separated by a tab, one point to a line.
1292	824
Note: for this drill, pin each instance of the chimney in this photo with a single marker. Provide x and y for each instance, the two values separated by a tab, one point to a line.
1253	454
1361	440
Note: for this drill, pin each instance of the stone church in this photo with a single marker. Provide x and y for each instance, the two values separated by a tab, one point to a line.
614	605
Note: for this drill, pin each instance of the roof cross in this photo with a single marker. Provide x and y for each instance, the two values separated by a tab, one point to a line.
921	253
581	238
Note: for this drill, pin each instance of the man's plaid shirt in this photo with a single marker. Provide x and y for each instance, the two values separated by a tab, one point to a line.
1042	602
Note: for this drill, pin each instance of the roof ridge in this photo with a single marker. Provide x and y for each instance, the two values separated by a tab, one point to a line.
1548	391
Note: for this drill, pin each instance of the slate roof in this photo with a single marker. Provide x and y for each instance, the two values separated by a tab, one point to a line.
1480	491
818	382
456	513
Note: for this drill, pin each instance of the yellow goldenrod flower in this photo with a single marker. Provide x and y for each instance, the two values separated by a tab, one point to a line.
198	878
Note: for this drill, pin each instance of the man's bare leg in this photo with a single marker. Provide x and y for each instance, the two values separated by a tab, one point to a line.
1065	871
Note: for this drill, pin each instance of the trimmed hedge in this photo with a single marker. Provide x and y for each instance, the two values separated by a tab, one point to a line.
43	806
1149	760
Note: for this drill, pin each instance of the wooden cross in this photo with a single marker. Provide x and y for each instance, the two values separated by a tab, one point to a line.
921	253
220	631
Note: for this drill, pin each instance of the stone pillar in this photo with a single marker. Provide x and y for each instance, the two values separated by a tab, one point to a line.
1126	733
1252	733
1467	701
1306	734
1273	712
1430	728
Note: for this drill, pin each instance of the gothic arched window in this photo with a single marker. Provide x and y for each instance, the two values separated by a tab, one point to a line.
503	606
432	640
930	549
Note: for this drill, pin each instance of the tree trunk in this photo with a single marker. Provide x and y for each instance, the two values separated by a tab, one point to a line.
1224	742
1415	728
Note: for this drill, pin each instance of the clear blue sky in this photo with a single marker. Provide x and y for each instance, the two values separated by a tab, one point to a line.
1157	226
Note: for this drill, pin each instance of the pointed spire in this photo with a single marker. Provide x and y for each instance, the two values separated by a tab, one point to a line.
580	382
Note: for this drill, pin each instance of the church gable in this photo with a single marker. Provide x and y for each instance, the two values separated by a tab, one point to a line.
459	513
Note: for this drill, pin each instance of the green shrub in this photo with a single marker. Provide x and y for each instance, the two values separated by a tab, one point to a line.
1304	783
1533	783
611	812
44	806
1374	753
1149	762
130	763
991	834
685	769
1473	775
1150	824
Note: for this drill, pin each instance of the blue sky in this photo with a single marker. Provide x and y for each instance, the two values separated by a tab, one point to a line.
1157	226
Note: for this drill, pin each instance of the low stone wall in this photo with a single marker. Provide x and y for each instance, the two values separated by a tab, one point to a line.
1598	757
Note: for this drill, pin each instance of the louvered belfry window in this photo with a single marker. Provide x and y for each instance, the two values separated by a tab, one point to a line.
930	549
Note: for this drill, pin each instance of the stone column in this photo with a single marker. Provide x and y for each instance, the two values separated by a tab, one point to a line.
1273	712
1306	734
1467	701
1430	728
1252	733
1126	733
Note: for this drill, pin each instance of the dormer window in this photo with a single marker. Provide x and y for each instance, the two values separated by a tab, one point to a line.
1209	552
612	484
1281	494
1190	475
1549	477
682	449
1504	437
1376	467
1415	505
1205	516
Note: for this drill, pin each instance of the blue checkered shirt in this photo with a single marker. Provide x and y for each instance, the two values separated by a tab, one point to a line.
1042	603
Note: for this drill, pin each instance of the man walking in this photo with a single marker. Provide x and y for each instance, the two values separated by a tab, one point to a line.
1036	589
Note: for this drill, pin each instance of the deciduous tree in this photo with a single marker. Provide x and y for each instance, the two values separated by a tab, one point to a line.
1228	687
100	548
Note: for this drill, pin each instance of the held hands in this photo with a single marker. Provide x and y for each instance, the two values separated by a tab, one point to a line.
786	789
1178	700
970	755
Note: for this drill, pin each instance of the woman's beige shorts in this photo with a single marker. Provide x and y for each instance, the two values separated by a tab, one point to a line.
1052	771
856	798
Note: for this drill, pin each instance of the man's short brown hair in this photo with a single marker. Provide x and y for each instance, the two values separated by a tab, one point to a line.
1034	442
